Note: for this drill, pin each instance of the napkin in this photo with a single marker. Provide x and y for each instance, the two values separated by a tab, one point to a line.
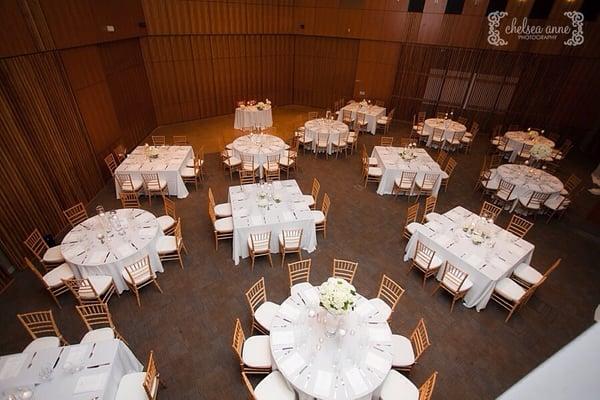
125	250
90	383
379	335
356	381
12	366
311	296
73	251
292	364
256	220
97	257
289	311
282	338
76	353
376	362
323	383
147	232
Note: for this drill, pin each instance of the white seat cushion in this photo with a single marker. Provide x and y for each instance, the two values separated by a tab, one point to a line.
554	203
318	216
528	274
262	246
53	255
139	278
292	243
54	278
372	161
270	167
509	289
382	121
310	201
165	222
274	387
412	227
98	335
100	283
402	352
300	288
468	135
265	313
467	284
435	263
397	386
46	342
188	173
433	216
224	225
131	387
229	146
491	185
286	161
256	352
465	139
375	171
155	185
383	310
233	161
223	210
166	244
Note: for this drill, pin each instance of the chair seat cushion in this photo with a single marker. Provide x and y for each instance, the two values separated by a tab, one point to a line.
265	313
375	171
308	199
256	352
139	279
412	227
465	139
233	162
383	310
300	288
223	210
46	342
188	173
274	387
491	185
468	135
100	283
54	278
270	166
505	196
556	203
305	140
131	387
525	199
98	335
435	263
372	161
318	216
159	185
509	289
453	286
166	244
402	352
433	216
397	386
224	225
403	184
292	243
165	222
286	161
261	247
53	255
382	121
527	273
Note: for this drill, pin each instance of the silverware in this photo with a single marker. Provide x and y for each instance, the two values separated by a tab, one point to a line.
58	358
92	352
31	361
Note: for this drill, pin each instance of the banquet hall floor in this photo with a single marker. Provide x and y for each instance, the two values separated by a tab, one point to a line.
190	325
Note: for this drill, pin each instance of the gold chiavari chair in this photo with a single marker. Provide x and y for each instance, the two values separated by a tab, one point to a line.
527	276
467	140
561	153
385	122
76	214
130	200
429	211
426	185
387	141
128	184
121	152
371	161
448	171
138	275
167	221
169	248
535	201
510	295
559	204
222	210
387	298
222	227
289	162
154	186
311	199
134	382
320	216
426	389
454	281
247	177
263	311
299	274
571	184
340	145
405	142
347	117
192	174
484	182
158	140
230	163
370	174
452	143
271	168
248	163
344	269
361	124
488	210
504	148
42	328
253	353
519	226
290	241
53	280
273	383
441	158
495	161
304	141
111	163
495	137
513	127
99	322
49	257
426	261
406	352
180	141
93	289
397	386
411	221
259	244
523	154
322	144
504	194
405	183
437	138
421	115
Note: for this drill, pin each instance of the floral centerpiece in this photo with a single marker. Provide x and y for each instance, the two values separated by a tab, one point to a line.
151	151
337	296
407	153
260	105
540	151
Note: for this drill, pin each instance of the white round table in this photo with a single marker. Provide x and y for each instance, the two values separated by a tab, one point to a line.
258	146
450	128
516	140
88	256
352	366
527	180
332	129
249	116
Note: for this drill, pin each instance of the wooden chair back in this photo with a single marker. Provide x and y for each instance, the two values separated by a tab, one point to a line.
326	204
387	141
552	267
130	199
454	276
430	203
572	183
344	269
292	238
537	199
423	254
247	177
299	271
257	294
316	187
35	271
411	214
111	163
158	140
83	291
151	379
519	226
260	240
421	117
139	270
426	389
76	214
180	141
450	166
488	210
36	244
429	181
438	135
169	206
420	339
313	115
407	179
441	158
39	324
390	292
462	120
505	189
238	340
125	182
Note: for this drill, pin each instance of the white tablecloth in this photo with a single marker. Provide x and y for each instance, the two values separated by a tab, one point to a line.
450	128
485	264
373	114
110	360
87	256
346	367
527	180
291	212
332	129
251	116
170	161
516	140
258	146
392	166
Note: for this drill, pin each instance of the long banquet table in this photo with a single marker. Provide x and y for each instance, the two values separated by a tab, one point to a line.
290	212
102	365
347	367
486	263
251	116
171	159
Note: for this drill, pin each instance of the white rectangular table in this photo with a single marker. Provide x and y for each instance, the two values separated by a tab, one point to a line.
486	265
392	166
292	212
103	365
171	160
373	114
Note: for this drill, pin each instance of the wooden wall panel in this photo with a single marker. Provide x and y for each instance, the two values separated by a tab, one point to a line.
376	69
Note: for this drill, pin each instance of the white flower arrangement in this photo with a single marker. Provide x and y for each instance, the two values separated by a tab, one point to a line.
540	151
337	296
260	105
407	153
364	103
151	151
268	102
242	106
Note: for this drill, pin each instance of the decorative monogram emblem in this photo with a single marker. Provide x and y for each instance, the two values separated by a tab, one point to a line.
493	33
577	33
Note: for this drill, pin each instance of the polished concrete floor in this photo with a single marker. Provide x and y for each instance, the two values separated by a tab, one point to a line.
190	325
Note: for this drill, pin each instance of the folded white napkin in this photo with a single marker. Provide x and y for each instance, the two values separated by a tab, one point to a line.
292	364
376	362
356	381
282	338
289	311
90	383
323	383
97	257
12	366
147	232
379	335
73	251
311	296
77	353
